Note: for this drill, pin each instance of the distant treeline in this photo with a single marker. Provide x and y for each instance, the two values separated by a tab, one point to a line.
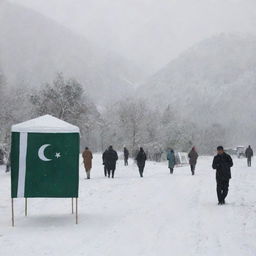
132	122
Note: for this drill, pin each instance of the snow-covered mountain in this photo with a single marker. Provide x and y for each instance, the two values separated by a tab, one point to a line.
33	48
212	82
212	64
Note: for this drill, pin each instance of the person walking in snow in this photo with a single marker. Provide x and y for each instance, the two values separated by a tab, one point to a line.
104	162
193	155
1	156
249	155
110	161
222	163
171	160
8	164
87	156
126	156
141	160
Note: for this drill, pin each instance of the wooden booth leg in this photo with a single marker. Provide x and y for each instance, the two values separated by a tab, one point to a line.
72	205
12	213
76	210
26	207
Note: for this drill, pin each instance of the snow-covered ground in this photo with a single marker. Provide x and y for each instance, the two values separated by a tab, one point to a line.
158	215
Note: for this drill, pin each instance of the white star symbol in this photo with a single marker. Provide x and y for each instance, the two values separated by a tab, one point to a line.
57	155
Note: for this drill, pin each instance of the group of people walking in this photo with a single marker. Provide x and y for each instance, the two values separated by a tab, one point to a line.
110	157
192	155
222	163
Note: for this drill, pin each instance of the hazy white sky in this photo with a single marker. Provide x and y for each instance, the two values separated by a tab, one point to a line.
149	32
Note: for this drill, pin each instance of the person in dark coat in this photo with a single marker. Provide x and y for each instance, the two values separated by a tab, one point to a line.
193	155
141	160
1	157
8	164
110	161
222	163
171	160
126	156
249	155
104	162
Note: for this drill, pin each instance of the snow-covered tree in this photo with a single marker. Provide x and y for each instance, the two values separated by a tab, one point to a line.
15	108
66	99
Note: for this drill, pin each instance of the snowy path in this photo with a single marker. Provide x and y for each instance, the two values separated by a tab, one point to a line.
157	215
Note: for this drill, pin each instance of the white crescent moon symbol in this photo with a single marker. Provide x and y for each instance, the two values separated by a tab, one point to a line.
41	152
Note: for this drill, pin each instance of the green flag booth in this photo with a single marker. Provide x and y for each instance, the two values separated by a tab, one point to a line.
44	160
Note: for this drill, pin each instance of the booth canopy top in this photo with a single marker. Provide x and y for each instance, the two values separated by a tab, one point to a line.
45	124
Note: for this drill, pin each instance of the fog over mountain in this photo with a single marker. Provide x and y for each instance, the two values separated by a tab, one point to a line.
33	48
149	32
212	82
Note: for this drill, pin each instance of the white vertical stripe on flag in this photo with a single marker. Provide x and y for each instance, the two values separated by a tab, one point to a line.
22	163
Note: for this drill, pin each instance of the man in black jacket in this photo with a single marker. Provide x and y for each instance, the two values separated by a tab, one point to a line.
141	160
104	162
126	156
222	163
249	155
110	159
